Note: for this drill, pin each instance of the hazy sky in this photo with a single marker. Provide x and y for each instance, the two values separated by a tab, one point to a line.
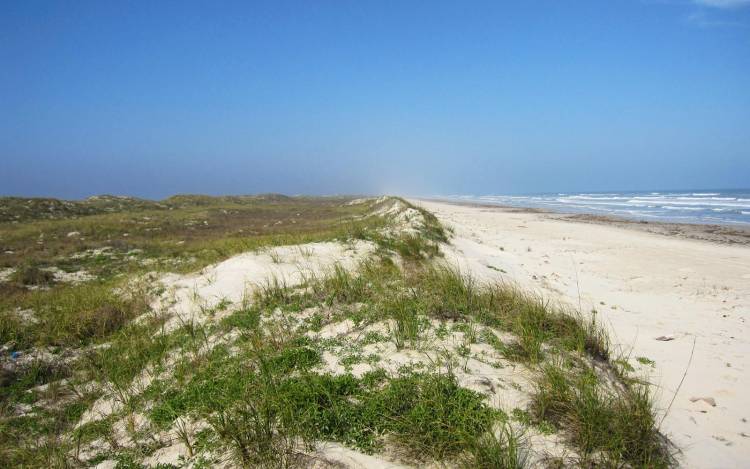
155	98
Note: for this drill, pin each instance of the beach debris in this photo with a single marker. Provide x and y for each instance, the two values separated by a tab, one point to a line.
708	400
665	338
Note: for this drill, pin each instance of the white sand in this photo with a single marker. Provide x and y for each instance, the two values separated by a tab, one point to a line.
190	296
333	455
644	286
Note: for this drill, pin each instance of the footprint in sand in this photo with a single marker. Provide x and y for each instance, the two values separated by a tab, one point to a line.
708	400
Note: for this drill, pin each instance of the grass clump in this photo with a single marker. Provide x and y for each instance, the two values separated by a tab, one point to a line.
407	321
31	274
431	414
501	449
611	425
413	247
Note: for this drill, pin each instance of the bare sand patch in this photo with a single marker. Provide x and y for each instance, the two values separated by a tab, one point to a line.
190	297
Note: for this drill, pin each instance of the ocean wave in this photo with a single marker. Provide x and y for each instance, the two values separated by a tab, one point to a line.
686	198
588	197
705	203
691	207
669	207
593	202
638	213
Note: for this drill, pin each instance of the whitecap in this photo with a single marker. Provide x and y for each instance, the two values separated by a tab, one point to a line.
669	207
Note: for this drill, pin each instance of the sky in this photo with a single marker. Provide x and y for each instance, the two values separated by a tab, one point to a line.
328	97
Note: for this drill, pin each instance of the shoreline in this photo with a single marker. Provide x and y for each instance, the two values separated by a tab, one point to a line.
714	233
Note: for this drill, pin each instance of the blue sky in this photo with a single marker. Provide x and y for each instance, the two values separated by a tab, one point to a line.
321	97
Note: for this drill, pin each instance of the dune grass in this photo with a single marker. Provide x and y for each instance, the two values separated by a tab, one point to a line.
255	383
500	449
442	292
118	239
183	233
610	421
74	315
611	426
262	404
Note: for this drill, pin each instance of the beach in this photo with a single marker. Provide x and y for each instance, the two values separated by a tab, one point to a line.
675	298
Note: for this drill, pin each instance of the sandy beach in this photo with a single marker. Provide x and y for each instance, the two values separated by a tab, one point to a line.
667	292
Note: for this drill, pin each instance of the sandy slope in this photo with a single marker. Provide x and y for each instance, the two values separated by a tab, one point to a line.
234	278
193	297
646	286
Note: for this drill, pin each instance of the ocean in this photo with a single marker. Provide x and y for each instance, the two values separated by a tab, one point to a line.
723	207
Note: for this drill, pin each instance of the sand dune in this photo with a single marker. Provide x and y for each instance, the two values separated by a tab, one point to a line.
662	296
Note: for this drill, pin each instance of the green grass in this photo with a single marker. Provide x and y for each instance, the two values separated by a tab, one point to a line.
448	294
409	246
444	293
120	238
645	361
75	314
502	449
611	427
258	411
256	381
178	233
117	240
593	421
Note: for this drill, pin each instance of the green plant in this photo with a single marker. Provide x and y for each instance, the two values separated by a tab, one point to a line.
612	425
501	449
32	274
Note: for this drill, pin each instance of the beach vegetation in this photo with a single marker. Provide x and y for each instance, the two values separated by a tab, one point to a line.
98	370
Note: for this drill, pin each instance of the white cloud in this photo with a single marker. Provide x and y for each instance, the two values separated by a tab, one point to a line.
723	3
